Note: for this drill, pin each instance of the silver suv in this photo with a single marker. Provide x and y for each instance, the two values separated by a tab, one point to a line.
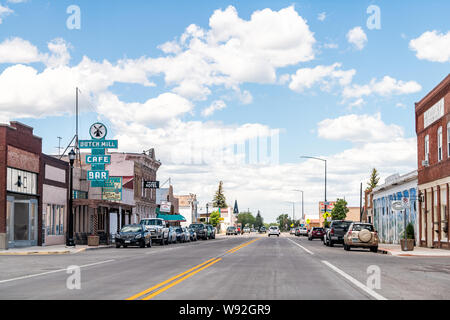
158	229
274	231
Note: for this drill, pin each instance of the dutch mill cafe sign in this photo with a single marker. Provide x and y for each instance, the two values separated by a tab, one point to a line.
98	176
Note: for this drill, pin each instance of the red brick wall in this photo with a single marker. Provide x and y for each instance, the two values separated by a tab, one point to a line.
17	136
436	170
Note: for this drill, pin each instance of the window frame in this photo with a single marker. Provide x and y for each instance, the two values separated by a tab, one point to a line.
427	147
439	144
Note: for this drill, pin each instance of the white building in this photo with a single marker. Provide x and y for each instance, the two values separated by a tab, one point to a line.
390	223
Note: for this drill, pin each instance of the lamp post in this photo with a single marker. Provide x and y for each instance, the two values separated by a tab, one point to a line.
69	240
325	161
303	213
207	213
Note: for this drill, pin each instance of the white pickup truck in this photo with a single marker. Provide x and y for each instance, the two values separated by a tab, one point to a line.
158	229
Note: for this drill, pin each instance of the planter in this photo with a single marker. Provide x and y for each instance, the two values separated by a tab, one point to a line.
93	241
409	244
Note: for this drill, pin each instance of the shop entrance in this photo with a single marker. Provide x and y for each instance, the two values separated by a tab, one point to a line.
21	222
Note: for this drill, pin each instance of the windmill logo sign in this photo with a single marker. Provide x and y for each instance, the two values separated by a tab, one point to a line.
98	176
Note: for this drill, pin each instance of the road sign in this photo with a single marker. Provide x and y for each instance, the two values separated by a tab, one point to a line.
165	206
308	221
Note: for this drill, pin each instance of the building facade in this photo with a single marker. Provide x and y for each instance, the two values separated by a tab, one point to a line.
187	207
433	152
389	223
55	195
20	186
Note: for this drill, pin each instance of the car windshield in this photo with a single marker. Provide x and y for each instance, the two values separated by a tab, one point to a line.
179	230
231	228
341	224
152	222
131	229
196	226
317	229
273	228
359	227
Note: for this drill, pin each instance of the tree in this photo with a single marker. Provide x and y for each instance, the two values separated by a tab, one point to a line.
246	219
214	218
284	222
340	210
373	180
259	221
219	200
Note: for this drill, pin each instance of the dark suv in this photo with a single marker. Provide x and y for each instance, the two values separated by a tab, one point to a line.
201	230
335	233
211	231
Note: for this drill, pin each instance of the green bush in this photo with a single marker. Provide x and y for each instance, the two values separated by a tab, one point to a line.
410	231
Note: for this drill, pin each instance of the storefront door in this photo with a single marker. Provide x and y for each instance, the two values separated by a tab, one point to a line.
22	222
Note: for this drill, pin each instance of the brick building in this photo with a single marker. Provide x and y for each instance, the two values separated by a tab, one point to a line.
20	186
433	143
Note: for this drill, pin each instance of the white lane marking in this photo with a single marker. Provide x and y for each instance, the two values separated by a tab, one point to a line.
355	282
53	271
309	251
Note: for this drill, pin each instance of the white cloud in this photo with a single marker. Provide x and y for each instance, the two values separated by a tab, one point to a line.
385	87
4	11
357	103
359	128
432	46
322	16
326	76
17	50
331	45
234	50
17	1
216	105
357	37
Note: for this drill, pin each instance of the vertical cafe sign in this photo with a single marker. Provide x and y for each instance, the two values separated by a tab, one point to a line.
98	176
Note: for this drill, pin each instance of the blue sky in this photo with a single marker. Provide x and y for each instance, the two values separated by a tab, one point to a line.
115	30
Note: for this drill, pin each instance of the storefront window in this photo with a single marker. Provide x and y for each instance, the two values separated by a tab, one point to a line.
448	139
55	219
427	147
439	137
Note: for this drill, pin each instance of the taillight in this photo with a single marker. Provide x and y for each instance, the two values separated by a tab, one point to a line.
332	231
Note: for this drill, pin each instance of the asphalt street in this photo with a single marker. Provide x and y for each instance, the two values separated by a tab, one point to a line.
253	267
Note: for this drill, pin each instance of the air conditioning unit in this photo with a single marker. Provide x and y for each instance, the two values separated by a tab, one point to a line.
425	163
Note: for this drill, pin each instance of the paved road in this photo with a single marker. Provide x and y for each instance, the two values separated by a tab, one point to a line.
227	268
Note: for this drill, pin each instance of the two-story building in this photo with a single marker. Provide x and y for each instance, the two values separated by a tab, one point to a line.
433	151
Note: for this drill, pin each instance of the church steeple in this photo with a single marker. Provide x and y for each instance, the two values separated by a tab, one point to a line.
235	210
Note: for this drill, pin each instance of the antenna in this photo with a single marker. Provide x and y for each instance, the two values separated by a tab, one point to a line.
59	146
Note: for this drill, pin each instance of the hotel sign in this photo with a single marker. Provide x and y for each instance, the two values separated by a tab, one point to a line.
434	113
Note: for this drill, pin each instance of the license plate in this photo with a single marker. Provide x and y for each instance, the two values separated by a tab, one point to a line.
127	241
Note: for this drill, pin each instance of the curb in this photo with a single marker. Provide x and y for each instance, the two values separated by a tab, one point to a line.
42	253
384	251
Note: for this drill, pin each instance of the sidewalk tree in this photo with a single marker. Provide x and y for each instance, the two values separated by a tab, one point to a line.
219	200
214	218
340	210
246	219
284	222
259	221
373	180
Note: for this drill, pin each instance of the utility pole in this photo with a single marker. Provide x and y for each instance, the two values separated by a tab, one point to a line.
59	146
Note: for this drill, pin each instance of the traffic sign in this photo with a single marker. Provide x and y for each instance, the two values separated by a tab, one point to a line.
405	202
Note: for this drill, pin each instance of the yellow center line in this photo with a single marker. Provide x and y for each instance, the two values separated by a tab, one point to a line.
180	280
241	246
167	281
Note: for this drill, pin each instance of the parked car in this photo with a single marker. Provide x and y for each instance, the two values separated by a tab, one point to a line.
201	230
211	231
292	231
181	234
187	233
274	231
316	233
172	235
157	228
246	230
336	232
133	235
192	234
361	235
302	231
231	231
262	230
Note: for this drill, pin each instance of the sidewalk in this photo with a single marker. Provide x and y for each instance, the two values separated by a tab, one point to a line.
395	250
57	249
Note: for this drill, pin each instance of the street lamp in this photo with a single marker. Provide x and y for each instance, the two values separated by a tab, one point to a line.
69	240
324	160
303	213
207	213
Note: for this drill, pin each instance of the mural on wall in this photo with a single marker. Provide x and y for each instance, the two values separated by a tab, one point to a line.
389	223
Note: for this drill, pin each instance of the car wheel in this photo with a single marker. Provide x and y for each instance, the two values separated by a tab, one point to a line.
331	243
149	244
117	245
346	247
142	244
374	249
278	235
309	238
